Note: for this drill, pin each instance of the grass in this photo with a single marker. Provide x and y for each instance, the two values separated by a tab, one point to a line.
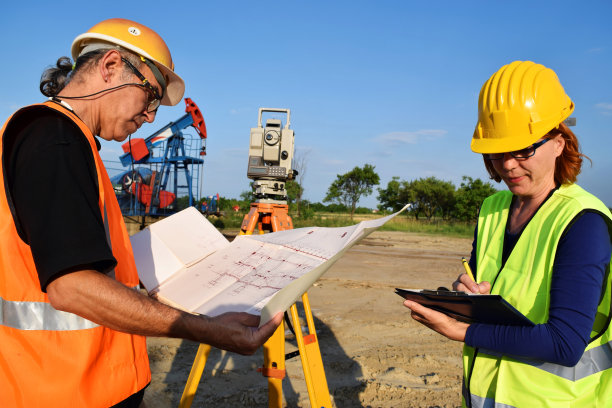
401	222
459	229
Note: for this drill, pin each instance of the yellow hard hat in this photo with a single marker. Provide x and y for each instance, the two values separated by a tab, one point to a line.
518	105
139	39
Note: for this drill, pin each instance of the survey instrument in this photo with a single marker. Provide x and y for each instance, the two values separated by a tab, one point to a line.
270	157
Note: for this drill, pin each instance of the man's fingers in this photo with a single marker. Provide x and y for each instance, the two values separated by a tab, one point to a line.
250	320
269	328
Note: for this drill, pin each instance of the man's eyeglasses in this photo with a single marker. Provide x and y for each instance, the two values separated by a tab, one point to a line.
154	96
517	154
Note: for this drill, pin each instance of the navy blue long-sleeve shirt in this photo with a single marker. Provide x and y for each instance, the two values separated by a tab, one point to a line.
582	258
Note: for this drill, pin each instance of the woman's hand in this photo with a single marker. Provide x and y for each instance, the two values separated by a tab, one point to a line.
443	324
465	284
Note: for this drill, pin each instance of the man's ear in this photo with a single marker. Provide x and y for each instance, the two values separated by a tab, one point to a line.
110	65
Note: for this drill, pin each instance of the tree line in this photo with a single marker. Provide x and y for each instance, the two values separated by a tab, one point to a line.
428	197
431	197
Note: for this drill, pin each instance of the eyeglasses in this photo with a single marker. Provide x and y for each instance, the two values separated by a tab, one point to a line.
517	154
154	96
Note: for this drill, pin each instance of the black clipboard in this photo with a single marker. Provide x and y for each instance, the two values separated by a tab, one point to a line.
469	308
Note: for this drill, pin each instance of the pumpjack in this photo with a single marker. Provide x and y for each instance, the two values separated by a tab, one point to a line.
147	188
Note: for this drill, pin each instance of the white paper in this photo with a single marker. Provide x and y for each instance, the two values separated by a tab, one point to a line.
188	263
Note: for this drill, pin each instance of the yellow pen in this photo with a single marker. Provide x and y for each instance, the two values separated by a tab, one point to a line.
467	268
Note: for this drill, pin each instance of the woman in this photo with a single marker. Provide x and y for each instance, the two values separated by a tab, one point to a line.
544	246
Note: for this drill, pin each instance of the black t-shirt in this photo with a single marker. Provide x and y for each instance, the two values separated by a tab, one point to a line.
51	180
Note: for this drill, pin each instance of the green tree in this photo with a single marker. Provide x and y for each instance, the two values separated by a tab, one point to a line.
318	207
469	198
407	194
348	188
300	162
294	192
431	194
248	196
305	209
227	204
388	197
397	194
182	203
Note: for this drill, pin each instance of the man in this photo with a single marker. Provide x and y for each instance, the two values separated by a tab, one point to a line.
71	323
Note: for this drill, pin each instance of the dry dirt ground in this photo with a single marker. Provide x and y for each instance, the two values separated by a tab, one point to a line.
374	354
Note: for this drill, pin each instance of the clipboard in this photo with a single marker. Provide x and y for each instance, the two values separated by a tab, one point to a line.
466	307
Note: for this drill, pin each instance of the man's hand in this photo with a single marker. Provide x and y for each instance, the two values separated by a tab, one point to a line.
238	332
443	324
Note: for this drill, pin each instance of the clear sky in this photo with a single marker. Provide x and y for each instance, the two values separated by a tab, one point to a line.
390	83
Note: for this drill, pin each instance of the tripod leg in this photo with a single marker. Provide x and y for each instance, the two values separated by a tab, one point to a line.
195	374
312	363
261	228
249	221
280	219
308	313
274	366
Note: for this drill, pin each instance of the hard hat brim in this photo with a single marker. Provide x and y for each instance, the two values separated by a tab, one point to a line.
520	141
484	145
175	88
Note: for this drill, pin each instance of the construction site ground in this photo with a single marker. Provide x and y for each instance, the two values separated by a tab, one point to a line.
374	354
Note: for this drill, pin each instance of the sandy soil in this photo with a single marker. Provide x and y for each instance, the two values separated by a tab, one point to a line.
374	354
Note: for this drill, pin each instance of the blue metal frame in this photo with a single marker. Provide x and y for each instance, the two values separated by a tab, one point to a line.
167	155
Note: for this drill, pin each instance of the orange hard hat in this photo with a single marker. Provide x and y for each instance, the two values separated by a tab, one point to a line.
138	39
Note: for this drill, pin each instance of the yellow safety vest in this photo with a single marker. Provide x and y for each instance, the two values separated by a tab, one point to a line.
492	379
50	358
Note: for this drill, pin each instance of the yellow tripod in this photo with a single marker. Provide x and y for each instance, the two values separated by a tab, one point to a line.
275	217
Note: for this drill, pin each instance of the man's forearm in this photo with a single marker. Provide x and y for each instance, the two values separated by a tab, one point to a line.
107	302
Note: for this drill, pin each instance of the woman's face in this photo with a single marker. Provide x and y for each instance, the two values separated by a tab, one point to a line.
532	176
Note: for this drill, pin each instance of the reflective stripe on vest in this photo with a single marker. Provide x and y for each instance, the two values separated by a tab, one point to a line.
592	362
480	402
40	316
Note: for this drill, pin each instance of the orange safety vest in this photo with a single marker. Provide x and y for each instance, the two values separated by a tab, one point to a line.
57	359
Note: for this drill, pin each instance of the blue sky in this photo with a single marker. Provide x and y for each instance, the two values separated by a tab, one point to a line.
390	83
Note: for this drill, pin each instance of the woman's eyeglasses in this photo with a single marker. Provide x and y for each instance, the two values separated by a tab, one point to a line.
517	154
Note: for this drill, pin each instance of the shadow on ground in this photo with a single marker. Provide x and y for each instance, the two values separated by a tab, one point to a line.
231	380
